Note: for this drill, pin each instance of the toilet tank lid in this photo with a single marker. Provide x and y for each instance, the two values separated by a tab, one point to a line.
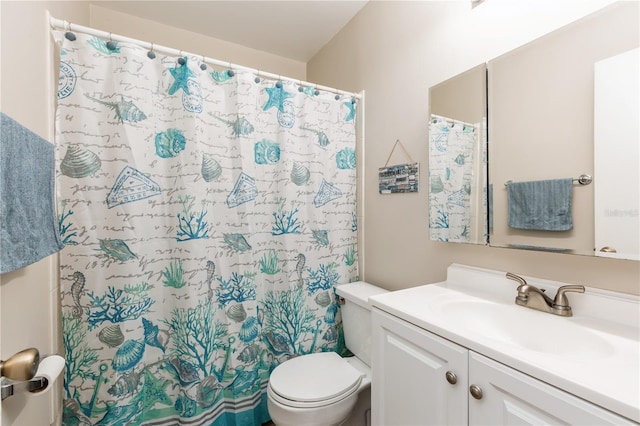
359	292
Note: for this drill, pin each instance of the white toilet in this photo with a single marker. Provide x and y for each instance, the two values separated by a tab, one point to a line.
322	389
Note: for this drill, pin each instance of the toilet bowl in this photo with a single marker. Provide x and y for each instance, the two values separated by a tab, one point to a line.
315	390
322	389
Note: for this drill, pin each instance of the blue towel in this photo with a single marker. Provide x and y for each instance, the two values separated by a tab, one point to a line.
28	222
541	205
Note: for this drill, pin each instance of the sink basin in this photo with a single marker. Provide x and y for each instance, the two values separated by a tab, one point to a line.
593	354
531	330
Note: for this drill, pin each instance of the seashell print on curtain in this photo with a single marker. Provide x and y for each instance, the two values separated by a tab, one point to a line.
452	145
208	216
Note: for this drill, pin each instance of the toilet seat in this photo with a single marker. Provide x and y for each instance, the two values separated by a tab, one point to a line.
314	380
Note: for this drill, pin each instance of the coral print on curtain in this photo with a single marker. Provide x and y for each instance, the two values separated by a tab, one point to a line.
208	215
451	178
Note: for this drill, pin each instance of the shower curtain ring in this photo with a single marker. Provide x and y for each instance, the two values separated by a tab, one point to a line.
279	82
111	45
257	79
230	72
203	65
315	90
181	59
151	54
68	34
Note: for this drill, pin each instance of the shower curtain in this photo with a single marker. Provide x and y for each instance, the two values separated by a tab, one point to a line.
207	215
451	178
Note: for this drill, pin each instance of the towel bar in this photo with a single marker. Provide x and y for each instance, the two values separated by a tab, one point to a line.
583	179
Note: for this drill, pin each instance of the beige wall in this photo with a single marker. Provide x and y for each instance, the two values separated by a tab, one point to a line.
165	35
395	51
463	97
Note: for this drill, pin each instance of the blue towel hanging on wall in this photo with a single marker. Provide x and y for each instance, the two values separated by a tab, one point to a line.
28	222
543	205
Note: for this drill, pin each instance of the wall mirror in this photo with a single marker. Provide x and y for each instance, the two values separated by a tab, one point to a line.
457	158
544	101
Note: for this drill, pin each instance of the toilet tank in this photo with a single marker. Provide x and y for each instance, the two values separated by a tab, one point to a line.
356	317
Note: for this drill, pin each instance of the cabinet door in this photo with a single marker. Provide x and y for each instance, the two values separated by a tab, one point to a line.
513	398
409	384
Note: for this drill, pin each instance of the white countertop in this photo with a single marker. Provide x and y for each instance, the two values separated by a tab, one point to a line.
595	354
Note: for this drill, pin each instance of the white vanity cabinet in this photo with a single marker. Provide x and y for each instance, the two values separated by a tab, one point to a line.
411	385
509	397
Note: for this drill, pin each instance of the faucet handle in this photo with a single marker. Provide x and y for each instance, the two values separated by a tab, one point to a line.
516	278
523	288
561	301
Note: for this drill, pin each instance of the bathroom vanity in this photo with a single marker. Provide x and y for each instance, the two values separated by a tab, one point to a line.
462	352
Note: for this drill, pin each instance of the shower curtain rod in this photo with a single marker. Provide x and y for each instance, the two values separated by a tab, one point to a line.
68	26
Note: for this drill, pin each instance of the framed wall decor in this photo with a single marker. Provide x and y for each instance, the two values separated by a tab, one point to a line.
398	178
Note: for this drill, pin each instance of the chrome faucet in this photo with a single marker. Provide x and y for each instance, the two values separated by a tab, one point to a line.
535	298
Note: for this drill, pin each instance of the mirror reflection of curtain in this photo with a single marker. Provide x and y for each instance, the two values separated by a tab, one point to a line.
452	146
208	216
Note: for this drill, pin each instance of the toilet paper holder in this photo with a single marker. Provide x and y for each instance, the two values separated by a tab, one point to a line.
18	373
33	385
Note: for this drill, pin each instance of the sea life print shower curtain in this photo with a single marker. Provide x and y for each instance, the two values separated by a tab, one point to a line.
453	179
207	215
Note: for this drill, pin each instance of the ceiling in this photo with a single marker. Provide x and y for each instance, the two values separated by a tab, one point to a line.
292	29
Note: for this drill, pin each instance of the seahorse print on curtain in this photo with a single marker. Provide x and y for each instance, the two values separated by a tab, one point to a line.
208	217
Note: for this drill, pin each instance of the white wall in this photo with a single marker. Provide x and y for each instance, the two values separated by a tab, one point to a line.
395	51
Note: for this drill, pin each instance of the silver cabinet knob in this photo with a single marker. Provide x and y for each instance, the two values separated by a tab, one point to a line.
475	391
451	377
